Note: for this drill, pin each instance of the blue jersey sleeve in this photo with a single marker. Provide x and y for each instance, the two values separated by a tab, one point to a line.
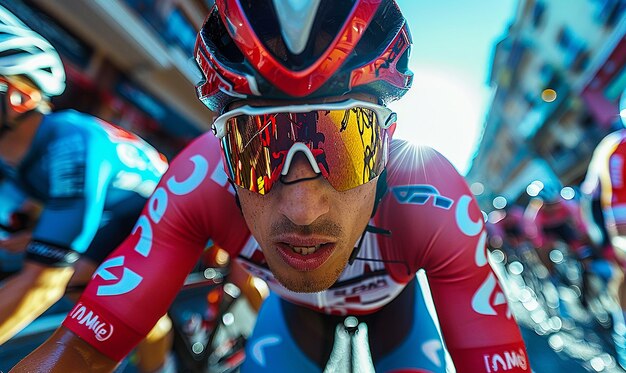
78	181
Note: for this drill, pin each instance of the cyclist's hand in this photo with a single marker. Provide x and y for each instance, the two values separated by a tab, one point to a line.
17	242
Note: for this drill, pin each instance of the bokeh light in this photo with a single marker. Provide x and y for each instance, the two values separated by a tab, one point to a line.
499	202
548	95
568	193
534	188
477	188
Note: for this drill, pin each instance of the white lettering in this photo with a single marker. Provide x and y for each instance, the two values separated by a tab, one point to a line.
481	300
200	170
144	245
511	360
102	330
79	311
158	204
157	207
463	220
494	363
481	251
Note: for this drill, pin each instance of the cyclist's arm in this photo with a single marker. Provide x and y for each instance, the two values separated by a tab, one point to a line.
445	235
65	352
68	223
135	285
28	294
17	242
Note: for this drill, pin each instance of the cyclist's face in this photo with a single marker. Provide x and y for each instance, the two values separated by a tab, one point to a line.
306	214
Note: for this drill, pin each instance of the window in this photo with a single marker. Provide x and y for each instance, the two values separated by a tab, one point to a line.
168	22
538	13
180	31
574	48
608	12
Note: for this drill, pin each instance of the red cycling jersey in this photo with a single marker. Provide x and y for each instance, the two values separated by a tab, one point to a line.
435	224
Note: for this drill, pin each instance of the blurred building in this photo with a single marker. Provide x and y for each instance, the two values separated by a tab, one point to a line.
557	76
127	61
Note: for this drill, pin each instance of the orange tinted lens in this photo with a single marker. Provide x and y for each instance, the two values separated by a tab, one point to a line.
348	145
21	96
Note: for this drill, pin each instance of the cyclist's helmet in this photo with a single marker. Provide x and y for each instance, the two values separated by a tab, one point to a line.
551	192
24	52
285	49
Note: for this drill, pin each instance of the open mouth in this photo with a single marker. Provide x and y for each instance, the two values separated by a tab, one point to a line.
305	250
305	258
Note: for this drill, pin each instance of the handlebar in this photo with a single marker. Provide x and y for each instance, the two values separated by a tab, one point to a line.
351	350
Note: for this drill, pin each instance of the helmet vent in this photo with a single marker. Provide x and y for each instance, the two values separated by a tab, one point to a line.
296	19
383	28
221	44
326	22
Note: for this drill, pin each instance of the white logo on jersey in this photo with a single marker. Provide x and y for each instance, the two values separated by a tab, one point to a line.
420	194
431	350
129	281
481	250
260	344
200	170
463	220
511	360
102	330
157	206
481	301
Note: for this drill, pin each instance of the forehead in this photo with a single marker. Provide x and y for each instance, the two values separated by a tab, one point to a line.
262	102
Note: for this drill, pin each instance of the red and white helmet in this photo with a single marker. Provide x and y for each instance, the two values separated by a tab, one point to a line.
293	49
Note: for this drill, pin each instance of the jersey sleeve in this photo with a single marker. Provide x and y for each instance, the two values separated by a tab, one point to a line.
78	178
135	285
436	225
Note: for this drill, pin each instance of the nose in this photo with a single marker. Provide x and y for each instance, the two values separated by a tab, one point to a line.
303	196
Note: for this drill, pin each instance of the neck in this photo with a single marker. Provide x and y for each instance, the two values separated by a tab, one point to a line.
15	143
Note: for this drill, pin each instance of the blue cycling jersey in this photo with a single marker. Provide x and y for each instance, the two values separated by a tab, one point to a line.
85	171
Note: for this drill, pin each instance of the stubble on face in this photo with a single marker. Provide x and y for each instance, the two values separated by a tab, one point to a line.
320	279
350	214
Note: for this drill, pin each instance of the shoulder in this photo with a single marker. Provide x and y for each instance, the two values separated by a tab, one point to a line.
610	144
414	169
67	124
428	208
205	146
67	117
200	165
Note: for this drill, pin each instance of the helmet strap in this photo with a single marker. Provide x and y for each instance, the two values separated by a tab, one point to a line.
381	190
236	195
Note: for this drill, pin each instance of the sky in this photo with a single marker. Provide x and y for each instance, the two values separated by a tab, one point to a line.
453	43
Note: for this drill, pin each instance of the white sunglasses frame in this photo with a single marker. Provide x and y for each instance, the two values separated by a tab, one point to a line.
386	116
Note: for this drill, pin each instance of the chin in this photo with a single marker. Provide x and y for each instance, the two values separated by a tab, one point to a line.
308	283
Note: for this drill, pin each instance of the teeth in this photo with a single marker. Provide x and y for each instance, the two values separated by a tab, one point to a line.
305	250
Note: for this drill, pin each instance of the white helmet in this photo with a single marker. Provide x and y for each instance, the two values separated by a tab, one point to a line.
24	52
